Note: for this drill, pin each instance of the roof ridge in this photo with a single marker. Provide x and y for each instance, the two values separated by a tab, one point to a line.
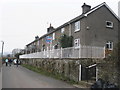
98	6
81	16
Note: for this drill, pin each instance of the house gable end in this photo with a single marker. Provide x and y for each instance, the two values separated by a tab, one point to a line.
99	6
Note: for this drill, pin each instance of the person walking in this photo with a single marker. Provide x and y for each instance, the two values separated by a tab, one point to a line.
10	62
6	61
17	61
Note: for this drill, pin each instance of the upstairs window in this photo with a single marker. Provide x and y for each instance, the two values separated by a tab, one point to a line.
109	24
62	30
109	45
77	26
53	36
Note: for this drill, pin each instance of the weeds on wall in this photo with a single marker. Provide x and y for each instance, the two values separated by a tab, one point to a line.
111	66
49	73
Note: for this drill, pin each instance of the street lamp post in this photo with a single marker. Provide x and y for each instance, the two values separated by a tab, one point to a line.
2	50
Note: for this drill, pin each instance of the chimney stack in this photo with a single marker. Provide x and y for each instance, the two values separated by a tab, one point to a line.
85	8
50	29
36	37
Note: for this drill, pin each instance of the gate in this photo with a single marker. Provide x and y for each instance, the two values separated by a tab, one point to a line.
88	73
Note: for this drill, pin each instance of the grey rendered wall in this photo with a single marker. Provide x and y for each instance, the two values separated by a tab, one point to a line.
98	34
81	33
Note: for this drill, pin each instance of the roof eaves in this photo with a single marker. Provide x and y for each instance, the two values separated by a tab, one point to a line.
41	37
112	11
79	17
71	21
97	7
46	34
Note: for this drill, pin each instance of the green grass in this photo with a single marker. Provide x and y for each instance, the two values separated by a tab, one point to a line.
85	84
49	74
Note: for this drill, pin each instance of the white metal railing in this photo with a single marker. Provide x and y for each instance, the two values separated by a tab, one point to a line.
72	52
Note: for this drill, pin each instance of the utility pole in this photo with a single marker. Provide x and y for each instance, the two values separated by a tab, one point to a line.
2	55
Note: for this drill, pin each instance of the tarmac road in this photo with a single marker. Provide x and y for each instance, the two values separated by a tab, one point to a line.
0	79
20	77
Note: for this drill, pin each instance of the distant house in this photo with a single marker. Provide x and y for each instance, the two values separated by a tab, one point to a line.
97	26
16	51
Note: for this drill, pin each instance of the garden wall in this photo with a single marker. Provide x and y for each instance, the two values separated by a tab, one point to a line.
70	68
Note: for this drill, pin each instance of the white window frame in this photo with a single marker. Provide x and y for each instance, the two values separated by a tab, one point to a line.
62	30
77	26
110	45
53	36
77	42
109	26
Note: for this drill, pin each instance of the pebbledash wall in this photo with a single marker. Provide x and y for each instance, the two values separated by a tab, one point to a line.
75	69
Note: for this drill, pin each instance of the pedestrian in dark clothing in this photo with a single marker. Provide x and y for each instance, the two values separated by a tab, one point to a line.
10	62
17	61
98	84
6	61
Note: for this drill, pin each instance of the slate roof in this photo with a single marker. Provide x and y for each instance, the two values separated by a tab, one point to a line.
80	17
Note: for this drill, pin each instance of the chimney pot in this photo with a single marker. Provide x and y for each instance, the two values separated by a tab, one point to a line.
50	29
85	8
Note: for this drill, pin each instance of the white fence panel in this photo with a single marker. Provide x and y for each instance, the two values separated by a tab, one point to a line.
72	52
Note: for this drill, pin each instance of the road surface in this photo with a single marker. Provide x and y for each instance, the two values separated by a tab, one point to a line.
20	77
0	79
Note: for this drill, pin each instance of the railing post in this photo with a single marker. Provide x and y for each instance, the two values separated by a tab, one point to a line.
80	73
53	53
61	52
50	53
96	73
44	53
104	52
80	51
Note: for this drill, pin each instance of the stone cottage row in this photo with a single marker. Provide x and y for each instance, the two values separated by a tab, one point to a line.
97	26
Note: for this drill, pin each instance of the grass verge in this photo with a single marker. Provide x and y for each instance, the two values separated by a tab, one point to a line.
49	74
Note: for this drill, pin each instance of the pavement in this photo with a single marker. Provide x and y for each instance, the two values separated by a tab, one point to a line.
20	77
0	78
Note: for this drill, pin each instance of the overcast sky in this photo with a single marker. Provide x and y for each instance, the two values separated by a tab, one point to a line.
22	20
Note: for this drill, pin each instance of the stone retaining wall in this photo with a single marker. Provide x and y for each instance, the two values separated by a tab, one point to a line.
67	67
70	67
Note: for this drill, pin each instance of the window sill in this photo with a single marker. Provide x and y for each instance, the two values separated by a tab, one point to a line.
109	27
77	30
76	47
110	49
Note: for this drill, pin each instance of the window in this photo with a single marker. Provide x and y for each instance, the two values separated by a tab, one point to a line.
76	42
109	24
53	36
77	26
62	30
109	45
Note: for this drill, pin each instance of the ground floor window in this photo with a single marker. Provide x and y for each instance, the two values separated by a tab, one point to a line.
77	42
109	45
